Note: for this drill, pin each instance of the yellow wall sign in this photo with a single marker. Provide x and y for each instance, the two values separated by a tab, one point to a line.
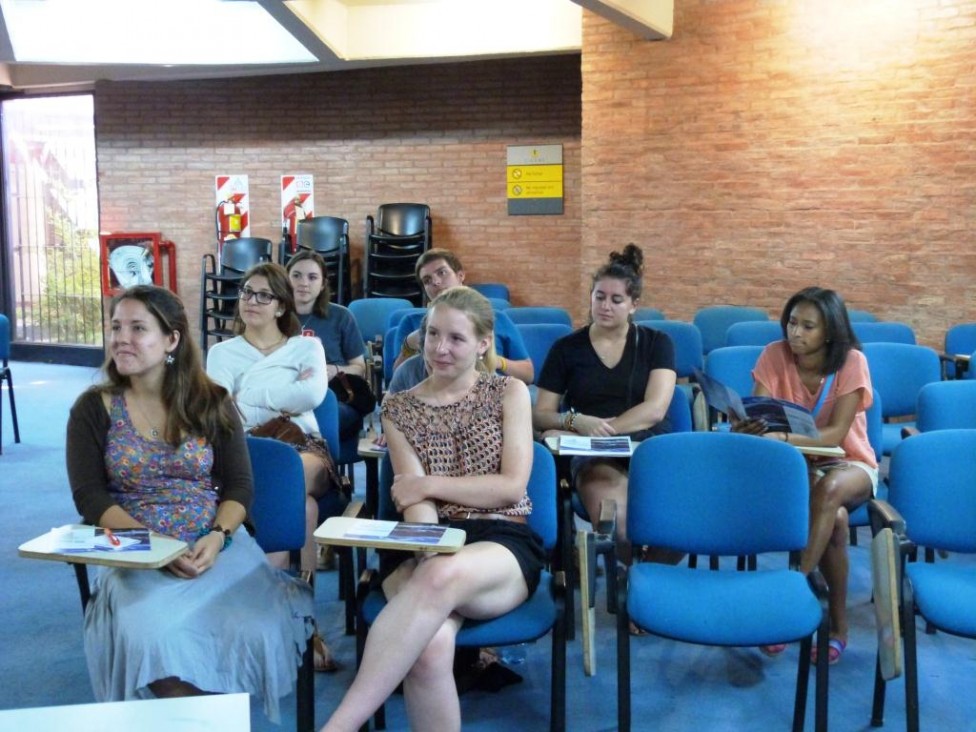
534	179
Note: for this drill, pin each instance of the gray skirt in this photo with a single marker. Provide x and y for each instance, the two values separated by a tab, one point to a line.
241	626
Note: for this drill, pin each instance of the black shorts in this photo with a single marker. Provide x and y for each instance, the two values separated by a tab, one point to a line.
518	538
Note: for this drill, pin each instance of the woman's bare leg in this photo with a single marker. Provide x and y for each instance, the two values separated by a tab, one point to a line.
838	488
835	568
429	690
598	481
482	580
316	486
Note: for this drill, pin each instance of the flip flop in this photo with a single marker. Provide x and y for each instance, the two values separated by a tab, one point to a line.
772	650
835	649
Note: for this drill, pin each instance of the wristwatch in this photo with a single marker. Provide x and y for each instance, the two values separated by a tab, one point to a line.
226	532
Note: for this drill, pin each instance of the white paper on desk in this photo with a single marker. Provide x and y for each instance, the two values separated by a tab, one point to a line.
602	445
73	539
415	533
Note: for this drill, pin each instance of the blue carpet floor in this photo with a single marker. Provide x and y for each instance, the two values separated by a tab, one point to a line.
677	687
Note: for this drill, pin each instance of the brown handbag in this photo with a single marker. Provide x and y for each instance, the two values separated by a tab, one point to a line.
280	428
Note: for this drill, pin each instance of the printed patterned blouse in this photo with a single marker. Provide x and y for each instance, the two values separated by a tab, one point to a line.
166	489
464	438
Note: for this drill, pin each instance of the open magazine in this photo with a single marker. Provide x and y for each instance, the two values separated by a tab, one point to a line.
778	414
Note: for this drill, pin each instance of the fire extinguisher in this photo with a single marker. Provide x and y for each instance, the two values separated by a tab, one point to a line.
227	220
296	214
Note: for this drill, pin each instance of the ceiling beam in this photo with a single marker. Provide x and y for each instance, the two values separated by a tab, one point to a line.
652	20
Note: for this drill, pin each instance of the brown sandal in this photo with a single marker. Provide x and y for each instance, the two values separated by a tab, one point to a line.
322	659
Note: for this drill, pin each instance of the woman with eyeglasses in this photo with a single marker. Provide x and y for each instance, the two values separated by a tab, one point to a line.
271	370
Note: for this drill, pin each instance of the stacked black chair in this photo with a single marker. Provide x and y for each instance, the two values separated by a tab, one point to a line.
328	236
220	284
395	239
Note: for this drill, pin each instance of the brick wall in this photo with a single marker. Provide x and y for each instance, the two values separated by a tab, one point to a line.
435	134
773	144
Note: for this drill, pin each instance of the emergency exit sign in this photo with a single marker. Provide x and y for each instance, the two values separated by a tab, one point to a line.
535	179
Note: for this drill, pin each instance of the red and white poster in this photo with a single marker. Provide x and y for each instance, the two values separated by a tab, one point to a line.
232	207
297	201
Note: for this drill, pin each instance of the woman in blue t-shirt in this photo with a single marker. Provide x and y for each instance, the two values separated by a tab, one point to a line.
333	324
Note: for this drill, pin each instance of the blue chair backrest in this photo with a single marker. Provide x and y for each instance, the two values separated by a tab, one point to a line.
520	315
538	339
679	411
687	341
960	339
754	333
278	508
732	365
884	333
371	313
397	315
945	405
492	289
898	373
409	322
4	338
498	303
541	489
719	493
649	314
714	321
861	316
327	416
930	482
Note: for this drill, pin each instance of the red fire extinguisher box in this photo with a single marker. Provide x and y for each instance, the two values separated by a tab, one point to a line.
129	259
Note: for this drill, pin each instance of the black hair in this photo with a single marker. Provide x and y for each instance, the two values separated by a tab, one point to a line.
838	334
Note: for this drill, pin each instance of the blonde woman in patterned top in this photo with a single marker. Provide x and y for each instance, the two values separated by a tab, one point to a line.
461	447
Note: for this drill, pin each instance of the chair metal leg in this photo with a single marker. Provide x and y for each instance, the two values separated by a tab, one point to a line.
911	663
878	703
823	668
557	710
13	405
623	656
802	685
305	692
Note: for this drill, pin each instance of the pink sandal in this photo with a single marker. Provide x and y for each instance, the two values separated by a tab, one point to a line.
835	649
772	650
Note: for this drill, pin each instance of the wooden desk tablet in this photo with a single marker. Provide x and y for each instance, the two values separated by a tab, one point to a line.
587	606
162	551
399	535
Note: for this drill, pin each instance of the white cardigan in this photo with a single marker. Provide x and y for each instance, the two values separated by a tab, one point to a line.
266	386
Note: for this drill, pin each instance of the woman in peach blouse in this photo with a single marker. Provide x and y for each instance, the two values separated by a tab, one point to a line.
818	365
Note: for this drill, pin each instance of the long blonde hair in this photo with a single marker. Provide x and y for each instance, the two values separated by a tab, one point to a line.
482	316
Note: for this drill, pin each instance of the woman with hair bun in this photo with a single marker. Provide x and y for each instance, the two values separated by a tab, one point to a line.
611	377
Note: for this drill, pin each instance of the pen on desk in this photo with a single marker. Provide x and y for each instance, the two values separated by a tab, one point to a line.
112	538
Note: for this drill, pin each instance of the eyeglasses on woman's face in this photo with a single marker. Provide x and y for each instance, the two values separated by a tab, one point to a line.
261	298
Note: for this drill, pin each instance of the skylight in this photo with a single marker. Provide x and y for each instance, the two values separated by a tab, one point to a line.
165	32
